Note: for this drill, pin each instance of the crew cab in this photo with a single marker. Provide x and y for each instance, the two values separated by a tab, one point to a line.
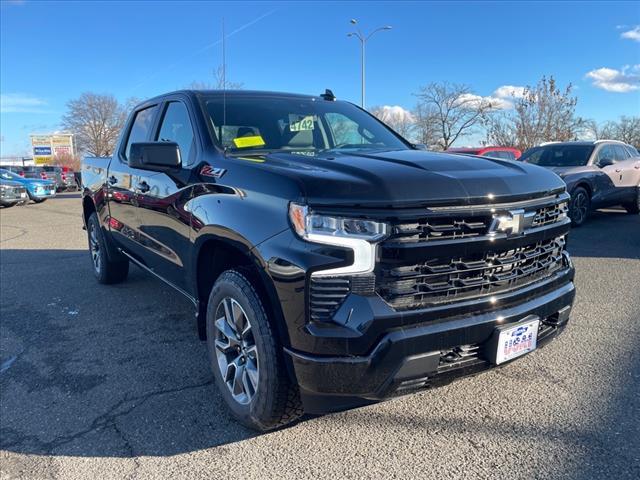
598	174
330	263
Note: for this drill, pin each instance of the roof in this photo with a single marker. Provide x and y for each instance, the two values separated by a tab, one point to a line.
582	142
233	93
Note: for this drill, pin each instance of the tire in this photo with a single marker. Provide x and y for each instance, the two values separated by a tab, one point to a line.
8	205
38	200
248	367
634	208
579	206
105	270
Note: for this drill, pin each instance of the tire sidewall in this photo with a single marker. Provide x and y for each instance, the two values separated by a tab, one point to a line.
230	285
574	195
93	224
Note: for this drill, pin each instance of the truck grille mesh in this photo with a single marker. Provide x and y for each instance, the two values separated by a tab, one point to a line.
440	280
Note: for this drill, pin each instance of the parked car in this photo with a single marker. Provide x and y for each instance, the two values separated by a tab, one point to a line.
11	193
37	190
63	178
506	153
598	174
330	263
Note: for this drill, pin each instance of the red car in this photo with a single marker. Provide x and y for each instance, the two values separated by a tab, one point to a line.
506	153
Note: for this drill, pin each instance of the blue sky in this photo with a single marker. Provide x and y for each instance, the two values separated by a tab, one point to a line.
50	52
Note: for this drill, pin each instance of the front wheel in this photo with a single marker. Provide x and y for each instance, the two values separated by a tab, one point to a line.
246	358
634	208
579	206
105	270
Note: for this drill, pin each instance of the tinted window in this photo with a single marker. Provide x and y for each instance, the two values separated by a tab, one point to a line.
620	153
176	127
606	153
140	129
299	124
632	151
558	155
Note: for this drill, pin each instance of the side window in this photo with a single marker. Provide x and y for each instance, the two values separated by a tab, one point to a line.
140	129
176	127
620	153
606	153
632	151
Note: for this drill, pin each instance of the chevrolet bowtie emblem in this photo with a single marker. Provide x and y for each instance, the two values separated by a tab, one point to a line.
513	222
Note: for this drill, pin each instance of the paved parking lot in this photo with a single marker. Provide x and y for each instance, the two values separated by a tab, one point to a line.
112	382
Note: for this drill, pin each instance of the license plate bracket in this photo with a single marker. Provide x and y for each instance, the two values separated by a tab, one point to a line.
513	340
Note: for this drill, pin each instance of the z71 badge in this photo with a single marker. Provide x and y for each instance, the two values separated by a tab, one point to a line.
209	171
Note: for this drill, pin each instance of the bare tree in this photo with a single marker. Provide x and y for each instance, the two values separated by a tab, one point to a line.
96	121
543	113
219	82
426	128
397	118
456	111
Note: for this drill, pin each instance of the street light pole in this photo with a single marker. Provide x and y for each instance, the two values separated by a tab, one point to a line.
363	42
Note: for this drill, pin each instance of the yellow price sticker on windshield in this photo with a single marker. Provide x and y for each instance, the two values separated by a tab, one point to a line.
246	142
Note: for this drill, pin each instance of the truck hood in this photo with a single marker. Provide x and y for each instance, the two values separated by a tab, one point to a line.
410	178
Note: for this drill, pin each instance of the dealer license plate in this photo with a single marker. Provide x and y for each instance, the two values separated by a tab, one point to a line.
517	340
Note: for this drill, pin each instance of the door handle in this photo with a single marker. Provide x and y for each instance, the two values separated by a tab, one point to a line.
143	187
112	180
618	170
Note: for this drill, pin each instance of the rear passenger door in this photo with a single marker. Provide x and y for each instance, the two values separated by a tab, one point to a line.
161	198
608	153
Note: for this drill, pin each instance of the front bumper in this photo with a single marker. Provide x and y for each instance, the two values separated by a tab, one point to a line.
422	355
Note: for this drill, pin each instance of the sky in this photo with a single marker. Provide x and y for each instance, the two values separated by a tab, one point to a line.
51	52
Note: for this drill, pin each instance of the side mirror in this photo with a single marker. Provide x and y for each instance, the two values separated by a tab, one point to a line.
605	162
155	156
419	146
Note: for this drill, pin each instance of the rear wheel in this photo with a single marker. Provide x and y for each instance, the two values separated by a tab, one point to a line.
8	205
634	208
579	206
105	270
246	358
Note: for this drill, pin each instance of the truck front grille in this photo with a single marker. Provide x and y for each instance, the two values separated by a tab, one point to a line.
443	228
439	280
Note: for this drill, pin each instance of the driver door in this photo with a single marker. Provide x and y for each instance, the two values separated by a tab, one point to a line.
608	162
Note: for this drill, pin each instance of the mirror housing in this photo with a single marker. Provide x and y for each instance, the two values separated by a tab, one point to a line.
605	162
155	156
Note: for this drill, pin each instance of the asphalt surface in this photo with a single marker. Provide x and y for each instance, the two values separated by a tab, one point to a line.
112	382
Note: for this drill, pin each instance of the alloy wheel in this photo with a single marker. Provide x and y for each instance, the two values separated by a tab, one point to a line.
236	350
94	247
579	208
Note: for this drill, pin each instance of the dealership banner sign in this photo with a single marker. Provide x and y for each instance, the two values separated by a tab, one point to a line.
46	147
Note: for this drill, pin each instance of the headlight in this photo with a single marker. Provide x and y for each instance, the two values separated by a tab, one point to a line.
359	235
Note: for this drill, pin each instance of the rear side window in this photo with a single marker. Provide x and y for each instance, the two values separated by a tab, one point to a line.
632	151
140	129
620	152
176	127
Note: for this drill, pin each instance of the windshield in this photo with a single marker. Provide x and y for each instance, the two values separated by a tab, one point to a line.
558	155
297	125
7	175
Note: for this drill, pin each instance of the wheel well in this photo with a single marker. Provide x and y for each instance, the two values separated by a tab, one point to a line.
216	257
585	186
87	208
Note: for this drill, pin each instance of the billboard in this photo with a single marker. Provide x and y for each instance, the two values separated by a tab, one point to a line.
46	147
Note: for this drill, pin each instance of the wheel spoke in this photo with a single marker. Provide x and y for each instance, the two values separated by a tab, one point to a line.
235	349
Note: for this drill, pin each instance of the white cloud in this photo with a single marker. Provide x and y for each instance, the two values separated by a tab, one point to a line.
624	80
501	99
21	103
633	34
393	114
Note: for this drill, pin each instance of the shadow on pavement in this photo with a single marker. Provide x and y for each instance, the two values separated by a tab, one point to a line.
95	370
610	233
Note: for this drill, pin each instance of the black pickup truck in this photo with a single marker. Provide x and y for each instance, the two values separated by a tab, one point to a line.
330	262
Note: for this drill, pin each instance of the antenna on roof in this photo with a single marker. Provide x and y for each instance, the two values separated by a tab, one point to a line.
224	82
